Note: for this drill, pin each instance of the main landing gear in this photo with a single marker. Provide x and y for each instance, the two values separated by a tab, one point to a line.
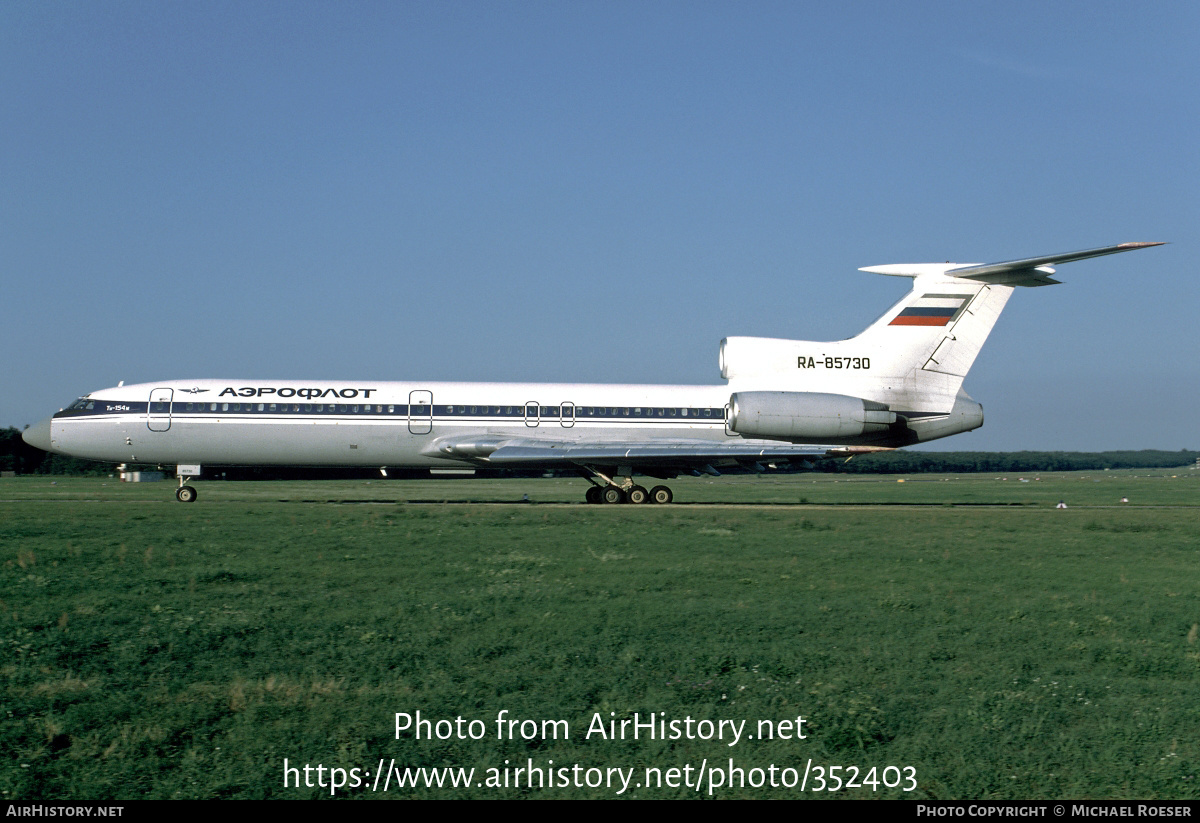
628	492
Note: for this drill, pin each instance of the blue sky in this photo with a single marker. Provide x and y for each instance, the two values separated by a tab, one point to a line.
596	192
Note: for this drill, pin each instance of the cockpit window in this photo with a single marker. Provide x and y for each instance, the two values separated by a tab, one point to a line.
82	404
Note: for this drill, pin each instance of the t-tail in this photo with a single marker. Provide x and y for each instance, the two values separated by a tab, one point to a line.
900	380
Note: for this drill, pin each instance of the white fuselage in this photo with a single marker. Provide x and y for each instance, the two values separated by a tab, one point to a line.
364	423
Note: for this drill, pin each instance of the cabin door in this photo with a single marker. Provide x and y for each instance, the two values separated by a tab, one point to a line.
420	412
158	410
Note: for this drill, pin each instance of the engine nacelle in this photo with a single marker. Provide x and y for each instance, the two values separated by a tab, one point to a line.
806	415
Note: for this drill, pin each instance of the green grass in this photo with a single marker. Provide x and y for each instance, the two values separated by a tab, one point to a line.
961	626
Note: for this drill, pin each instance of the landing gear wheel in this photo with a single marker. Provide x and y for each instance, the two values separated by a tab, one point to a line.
661	494
638	495
613	495
594	494
186	494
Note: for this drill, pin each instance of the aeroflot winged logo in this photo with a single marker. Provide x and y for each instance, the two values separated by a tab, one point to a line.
933	310
288	391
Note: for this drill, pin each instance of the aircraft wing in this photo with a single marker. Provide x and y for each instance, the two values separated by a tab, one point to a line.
646	456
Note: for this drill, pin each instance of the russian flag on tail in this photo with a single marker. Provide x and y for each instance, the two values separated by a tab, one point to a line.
932	310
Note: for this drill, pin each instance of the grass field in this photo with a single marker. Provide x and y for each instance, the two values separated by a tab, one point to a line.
961	627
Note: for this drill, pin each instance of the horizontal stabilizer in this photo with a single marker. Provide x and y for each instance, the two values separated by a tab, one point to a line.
1030	271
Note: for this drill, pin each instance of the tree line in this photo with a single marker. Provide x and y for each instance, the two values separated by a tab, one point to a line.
18	456
912	462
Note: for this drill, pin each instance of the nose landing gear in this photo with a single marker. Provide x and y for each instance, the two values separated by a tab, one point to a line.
186	493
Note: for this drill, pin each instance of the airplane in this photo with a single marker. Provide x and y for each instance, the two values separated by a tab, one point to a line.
897	383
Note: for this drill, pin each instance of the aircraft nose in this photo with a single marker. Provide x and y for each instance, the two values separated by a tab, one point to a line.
38	436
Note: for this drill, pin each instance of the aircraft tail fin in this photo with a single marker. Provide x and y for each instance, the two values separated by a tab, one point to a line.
915	356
